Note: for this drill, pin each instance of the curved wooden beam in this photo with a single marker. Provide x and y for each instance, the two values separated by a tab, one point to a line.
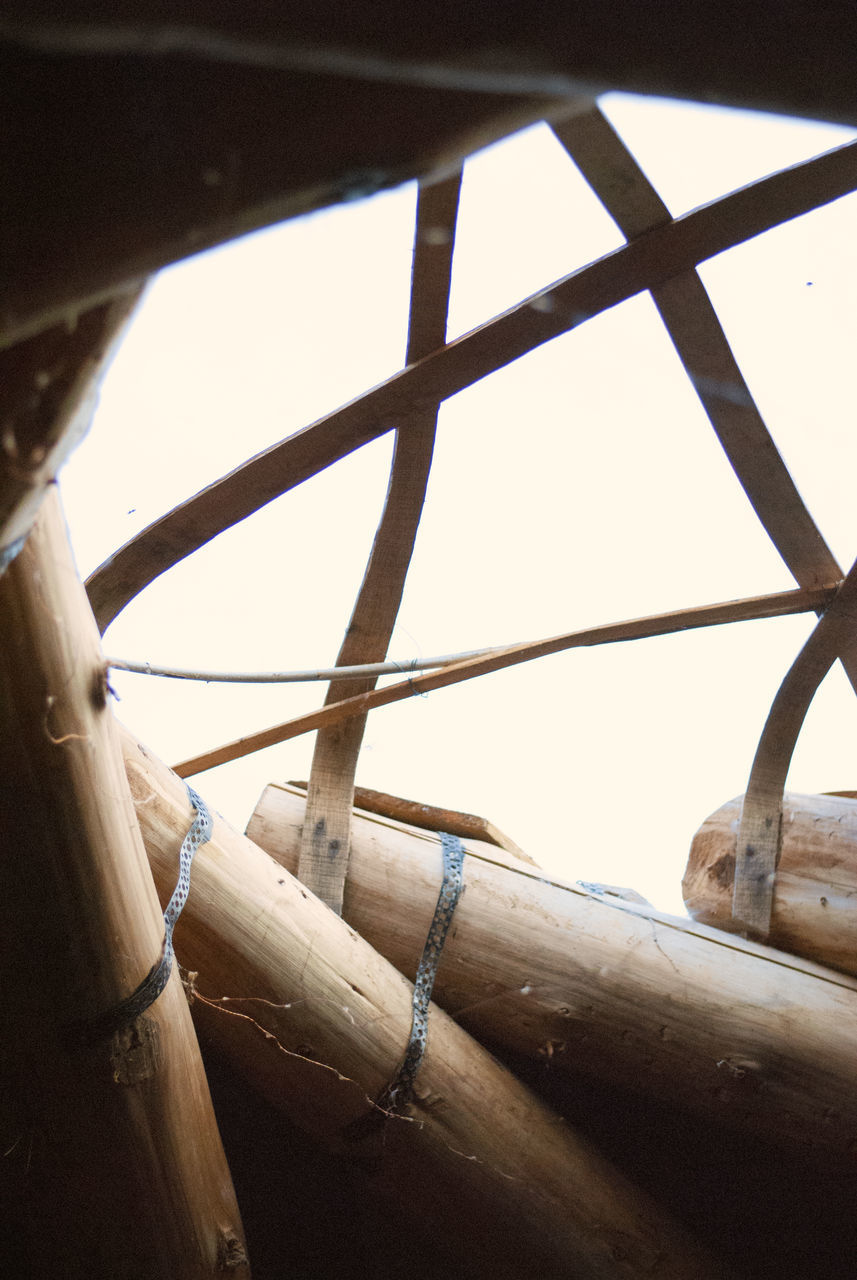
326	843
117	161
643	264
758	845
778	605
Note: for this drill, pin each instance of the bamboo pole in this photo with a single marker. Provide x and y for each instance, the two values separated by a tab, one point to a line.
318	1021
815	889
113	1164
685	1014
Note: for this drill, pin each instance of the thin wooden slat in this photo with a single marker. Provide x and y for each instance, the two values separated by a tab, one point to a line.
645	263
114	1167
327	834
778	605
761	817
704	350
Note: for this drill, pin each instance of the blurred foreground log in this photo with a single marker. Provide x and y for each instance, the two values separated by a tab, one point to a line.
687	1015
112	1163
815	890
48	389
317	1021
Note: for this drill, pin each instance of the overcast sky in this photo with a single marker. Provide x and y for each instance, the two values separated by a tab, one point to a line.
582	484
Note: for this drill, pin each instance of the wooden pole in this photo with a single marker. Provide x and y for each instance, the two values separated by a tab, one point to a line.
318	1021
113	1165
815	890
685	1014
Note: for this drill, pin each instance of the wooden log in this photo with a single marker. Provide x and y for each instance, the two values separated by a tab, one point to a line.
330	795
318	1021
815	889
675	1010
113	1165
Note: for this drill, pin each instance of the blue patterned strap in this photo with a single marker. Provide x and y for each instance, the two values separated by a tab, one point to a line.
399	1092
104	1025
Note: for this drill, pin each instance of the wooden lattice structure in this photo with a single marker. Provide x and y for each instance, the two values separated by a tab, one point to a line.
112	1142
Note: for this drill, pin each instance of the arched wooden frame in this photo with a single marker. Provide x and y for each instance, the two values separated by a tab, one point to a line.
660	255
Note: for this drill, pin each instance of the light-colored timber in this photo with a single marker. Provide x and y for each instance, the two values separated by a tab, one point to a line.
318	1021
815	890
113	1165
686	1014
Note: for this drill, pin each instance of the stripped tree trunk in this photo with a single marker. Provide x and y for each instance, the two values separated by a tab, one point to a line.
113	1163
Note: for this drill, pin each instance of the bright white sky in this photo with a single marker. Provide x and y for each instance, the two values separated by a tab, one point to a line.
582	484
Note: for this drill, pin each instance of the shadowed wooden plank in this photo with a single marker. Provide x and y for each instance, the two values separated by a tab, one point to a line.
327	832
643	264
788	58
816	886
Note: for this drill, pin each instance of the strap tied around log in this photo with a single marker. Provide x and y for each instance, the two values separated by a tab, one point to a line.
103	1025
395	1097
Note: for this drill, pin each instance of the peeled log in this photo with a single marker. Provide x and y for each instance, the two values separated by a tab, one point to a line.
688	1015
317	1021
112	1162
815	890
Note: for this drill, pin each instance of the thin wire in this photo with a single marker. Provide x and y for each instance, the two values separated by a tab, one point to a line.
391	668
